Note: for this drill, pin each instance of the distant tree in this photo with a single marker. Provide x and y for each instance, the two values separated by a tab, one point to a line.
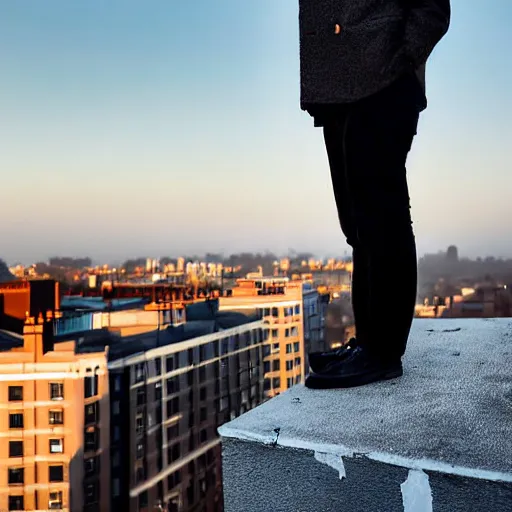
66	262
5	274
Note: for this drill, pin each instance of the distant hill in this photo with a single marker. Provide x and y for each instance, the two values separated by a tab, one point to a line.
5	275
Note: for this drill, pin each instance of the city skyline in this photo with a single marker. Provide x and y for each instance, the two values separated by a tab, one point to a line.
184	131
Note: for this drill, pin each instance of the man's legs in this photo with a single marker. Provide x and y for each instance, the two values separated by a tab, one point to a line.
378	138
334	135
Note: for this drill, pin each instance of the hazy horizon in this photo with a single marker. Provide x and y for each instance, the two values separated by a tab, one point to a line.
200	255
128	126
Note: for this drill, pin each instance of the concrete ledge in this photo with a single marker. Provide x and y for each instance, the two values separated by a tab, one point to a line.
439	439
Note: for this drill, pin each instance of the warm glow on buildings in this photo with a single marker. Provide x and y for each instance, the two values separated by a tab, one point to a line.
54	423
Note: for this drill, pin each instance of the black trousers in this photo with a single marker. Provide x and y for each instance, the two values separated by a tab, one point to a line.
367	145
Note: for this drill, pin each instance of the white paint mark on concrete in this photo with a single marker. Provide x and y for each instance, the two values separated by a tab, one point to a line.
332	460
416	492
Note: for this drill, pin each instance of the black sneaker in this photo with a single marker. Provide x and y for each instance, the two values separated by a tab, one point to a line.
319	360
357	369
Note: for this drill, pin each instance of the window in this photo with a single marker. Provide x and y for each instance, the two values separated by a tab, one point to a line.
202	374
91	439
115	460
91	413
173	407
115	407
91	493
266	366
276	365
289	383
90	385
297	309
56	391
140	451
15	393
117	433
143	500
16	503
173	385
139	372
16	476
276	382
56	417
191	442
158	366
202	414
139	424
289	365
287	333
169	364
91	466
16	420
140	474
202	394
158	391
56	473
275	312
275	347
174	452
55	500
288	348
173	431
297	361
56	445
15	448
296	347
117	383
115	487
141	396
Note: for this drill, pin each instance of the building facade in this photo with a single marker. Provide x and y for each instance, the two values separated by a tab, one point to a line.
314	314
54	423
279	303
166	405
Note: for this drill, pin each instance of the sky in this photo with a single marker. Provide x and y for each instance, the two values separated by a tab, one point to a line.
157	128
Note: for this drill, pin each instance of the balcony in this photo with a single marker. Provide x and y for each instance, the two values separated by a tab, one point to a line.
438	439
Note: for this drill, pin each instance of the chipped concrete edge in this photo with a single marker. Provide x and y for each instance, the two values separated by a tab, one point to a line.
334	461
386	458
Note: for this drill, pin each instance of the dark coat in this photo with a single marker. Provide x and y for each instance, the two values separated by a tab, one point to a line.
351	49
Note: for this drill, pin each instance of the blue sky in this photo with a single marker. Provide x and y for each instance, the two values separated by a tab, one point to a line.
164	127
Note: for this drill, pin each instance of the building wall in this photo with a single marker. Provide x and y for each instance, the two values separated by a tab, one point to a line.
164	445
282	313
47	390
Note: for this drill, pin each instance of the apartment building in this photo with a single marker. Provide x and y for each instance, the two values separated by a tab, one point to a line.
168	396
54	420
279	303
315	311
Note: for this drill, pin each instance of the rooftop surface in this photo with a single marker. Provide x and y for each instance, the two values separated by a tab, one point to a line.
202	318
451	411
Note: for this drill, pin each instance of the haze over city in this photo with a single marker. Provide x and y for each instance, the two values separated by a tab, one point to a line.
131	130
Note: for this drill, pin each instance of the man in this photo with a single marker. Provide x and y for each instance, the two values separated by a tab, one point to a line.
363	81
